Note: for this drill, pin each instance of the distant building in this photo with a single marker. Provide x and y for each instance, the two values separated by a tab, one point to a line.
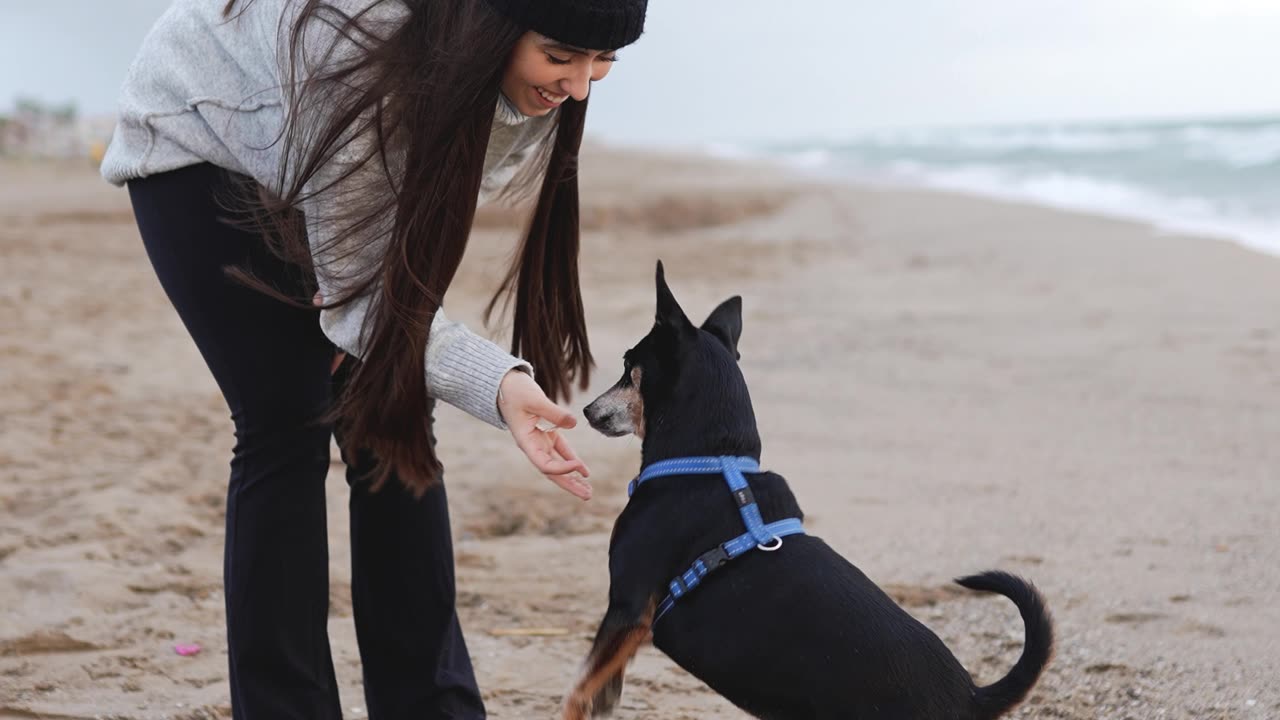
35	130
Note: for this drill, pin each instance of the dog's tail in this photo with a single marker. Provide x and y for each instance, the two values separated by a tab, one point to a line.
1002	696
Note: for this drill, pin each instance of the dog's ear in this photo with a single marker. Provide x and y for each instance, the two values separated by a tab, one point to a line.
725	322
669	313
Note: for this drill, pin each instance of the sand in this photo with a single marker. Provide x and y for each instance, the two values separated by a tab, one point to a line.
950	384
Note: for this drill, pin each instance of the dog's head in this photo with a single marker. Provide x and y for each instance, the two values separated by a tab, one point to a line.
680	379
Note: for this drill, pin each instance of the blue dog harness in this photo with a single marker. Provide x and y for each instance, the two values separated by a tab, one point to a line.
758	534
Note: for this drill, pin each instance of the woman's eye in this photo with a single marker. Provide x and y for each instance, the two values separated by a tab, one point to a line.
557	61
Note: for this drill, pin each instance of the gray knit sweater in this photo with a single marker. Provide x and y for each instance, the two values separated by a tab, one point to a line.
207	89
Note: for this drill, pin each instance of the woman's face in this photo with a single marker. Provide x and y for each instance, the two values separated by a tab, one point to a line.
544	73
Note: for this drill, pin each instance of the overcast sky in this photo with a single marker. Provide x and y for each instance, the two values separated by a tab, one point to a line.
726	70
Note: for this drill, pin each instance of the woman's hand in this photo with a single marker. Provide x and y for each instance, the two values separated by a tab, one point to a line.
523	404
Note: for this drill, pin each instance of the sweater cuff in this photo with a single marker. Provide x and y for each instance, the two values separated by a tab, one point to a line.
466	370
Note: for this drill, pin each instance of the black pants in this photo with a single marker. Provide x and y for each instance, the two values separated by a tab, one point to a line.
272	364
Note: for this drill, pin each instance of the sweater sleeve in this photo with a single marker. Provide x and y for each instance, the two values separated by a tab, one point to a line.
462	368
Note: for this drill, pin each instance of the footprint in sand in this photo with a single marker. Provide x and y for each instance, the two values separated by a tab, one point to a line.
192	590
44	642
532	513
920	596
1134	618
1189	627
1194	627
1105	667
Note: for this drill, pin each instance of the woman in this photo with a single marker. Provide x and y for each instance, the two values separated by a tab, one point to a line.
383	122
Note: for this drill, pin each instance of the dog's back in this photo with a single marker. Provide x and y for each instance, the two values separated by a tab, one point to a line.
803	633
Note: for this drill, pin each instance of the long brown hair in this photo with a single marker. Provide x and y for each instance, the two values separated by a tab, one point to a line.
421	95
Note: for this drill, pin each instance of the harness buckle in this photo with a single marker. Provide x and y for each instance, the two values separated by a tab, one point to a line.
714	559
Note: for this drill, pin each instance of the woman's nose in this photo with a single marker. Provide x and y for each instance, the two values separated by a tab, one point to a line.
578	85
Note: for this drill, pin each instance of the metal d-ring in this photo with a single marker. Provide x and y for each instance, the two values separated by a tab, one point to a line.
777	543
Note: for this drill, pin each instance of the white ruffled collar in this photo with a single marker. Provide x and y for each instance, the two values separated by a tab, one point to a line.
507	113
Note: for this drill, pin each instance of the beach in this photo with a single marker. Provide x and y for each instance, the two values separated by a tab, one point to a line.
950	384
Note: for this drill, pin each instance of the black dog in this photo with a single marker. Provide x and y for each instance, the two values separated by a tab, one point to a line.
798	633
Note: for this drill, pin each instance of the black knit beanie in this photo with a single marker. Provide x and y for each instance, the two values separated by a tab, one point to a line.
587	24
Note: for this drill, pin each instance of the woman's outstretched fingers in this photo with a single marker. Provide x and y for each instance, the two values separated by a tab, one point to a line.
573	480
562	448
574	485
542	453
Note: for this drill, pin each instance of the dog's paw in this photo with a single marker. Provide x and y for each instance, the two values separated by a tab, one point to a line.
577	706
607	699
581	707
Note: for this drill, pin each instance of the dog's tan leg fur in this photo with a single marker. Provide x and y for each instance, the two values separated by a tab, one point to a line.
605	666
600	670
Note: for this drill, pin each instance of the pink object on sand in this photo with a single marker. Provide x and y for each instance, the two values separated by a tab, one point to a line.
187	650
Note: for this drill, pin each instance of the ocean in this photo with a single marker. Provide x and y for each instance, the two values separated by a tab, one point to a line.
1216	177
